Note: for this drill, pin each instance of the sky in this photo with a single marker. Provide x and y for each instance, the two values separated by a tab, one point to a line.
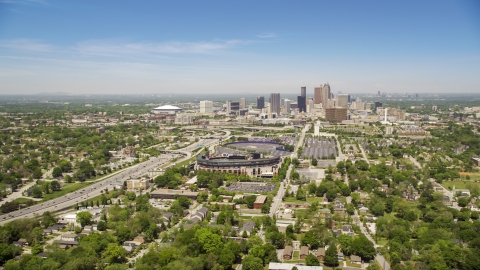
183	47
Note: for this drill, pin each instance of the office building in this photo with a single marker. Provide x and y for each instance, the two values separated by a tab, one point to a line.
233	107
242	103
378	104
260	102
302	104
287	106
336	114
310	105
303	91
322	94
275	103
206	106
343	100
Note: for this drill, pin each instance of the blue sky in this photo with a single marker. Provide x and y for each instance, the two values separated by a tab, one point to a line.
131	47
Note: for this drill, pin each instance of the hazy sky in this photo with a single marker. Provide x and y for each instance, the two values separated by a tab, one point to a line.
225	47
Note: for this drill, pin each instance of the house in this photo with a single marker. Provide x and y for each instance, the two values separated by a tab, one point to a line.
69	237
130	246
139	240
304	252
196	218
340	256
320	254
288	253
21	242
43	255
56	228
168	216
203	212
289	266
247	227
355	259
347	229
259	201
87	229
325	199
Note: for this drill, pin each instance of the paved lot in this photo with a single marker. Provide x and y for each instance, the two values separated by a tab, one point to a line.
251	187
319	148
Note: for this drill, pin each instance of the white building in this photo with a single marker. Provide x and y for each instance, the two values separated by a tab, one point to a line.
343	100
242	103
206	106
183	119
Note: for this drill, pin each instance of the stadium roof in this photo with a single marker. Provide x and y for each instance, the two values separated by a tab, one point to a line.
168	108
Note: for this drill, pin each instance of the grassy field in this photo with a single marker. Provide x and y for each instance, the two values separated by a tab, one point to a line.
473	176
460	184
310	200
65	190
21	200
184	163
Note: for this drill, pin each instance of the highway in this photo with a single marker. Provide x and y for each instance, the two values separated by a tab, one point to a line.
96	188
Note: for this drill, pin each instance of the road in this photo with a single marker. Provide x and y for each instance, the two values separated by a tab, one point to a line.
381	260
363	153
99	185
17	194
415	162
277	200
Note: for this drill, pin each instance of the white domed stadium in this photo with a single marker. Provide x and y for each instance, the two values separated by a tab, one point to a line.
167	109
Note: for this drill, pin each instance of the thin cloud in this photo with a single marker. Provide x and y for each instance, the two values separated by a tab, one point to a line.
32	45
267	35
111	48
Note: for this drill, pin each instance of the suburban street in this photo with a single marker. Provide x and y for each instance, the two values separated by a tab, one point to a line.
96	188
277	200
381	260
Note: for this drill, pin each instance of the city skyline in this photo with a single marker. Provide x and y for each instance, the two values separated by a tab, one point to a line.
187	47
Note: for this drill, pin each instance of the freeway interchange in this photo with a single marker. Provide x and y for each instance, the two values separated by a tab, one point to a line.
98	186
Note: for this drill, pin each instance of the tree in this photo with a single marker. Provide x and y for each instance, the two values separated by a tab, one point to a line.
331	256
48	219
36	249
57	172
37	192
314	162
37	173
345	241
277	239
312	260
462	202
55	185
331	195
378	209
123	234
362	247
68	179
114	253
101	226
311	239
250	262
250	201
84	218
209	239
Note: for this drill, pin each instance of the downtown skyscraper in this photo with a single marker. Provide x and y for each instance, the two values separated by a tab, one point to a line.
275	103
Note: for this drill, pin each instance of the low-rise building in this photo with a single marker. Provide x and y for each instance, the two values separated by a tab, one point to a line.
259	201
172	193
304	251
288	253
